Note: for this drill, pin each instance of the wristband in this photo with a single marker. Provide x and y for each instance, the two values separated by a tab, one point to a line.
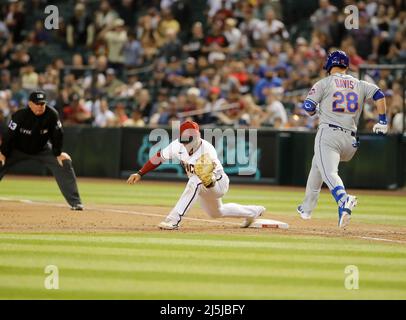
382	119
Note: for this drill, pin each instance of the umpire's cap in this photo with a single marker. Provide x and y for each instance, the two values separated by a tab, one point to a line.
38	97
336	58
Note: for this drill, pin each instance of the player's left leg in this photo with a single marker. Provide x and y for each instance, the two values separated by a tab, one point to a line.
313	187
64	176
212	204
328	150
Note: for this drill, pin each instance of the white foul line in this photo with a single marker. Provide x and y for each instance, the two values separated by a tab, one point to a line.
51	204
382	239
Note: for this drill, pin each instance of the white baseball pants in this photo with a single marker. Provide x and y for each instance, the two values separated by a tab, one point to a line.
330	147
210	200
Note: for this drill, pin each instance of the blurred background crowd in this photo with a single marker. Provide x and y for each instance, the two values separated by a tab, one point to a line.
218	62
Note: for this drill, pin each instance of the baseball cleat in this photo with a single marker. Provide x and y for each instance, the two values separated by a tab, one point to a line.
304	215
344	212
248	221
77	207
167	225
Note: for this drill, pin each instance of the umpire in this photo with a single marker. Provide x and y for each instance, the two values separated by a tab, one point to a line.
36	133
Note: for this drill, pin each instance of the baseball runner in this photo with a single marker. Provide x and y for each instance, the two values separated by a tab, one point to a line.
207	179
29	132
340	98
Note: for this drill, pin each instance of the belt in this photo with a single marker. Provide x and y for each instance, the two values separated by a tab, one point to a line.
342	129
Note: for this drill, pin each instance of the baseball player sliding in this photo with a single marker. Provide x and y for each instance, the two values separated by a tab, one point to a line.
340	98
207	179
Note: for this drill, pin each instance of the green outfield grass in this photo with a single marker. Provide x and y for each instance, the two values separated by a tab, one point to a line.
173	265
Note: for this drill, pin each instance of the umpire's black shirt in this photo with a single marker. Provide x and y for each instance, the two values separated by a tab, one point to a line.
30	133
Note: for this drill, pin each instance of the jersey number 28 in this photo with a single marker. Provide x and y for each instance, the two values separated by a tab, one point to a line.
343	102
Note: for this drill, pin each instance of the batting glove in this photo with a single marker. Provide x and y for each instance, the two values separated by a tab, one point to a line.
380	128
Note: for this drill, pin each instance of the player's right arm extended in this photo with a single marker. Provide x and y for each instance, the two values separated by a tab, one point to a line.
150	165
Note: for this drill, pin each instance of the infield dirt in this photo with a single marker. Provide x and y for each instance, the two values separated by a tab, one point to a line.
26	217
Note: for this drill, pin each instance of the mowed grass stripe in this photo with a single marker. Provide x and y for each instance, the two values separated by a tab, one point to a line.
140	289
303	258
200	272
183	276
193	278
336	246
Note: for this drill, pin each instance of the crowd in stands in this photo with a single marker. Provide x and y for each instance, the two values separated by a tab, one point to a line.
146	63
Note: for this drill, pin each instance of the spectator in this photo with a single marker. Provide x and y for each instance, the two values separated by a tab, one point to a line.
105	15
250	26
238	71
101	65
272	31
276	115
365	39
75	113
80	30
355	59
115	36
15	19
120	113
172	47
398	123
322	18
192	97
104	117
235	109
232	34
167	23
157	118
195	42
253	114
127	11
336	30
136	120
132	52
5	80
215	41
29	78
113	85
41	35
149	37
166	112
18	59
269	81
143	104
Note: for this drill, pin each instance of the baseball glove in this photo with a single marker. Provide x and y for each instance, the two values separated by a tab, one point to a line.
204	168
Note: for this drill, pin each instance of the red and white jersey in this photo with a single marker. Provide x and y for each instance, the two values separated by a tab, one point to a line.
176	150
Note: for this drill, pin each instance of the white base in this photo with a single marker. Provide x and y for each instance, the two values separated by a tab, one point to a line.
268	223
